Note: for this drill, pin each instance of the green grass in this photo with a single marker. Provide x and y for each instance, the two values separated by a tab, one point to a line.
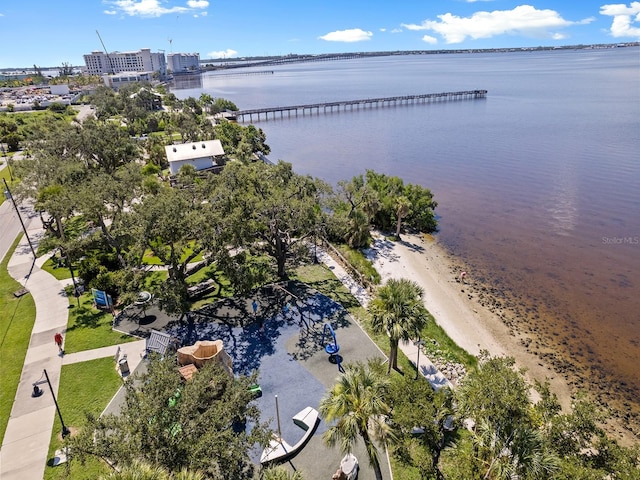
90	328
222	284
320	277
361	263
439	344
85	387
6	175
150	259
16	323
61	273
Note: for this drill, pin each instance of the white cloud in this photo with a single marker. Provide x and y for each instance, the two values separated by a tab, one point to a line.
523	20
383	29
222	53
396	30
152	8
349	36
624	18
110	12
430	40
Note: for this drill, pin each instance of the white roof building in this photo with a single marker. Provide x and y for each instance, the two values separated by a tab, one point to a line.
207	154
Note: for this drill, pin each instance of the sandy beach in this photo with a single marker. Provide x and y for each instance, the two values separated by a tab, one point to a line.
458	306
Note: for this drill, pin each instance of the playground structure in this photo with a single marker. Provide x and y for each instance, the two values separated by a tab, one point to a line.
332	348
204	351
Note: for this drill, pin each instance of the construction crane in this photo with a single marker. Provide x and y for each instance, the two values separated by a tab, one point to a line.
109	66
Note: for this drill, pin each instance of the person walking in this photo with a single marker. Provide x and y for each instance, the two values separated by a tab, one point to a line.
58	339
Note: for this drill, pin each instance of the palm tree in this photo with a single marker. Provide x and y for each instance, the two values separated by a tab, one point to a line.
357	404
520	454
145	471
281	473
397	310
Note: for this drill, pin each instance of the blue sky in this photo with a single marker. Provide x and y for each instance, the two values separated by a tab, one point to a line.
49	32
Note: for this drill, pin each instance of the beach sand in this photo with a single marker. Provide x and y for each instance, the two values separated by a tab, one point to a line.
471	318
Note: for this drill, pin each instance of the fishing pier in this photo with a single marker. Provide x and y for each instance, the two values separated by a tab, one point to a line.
273	112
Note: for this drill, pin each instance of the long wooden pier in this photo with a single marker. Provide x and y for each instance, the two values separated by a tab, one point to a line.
260	113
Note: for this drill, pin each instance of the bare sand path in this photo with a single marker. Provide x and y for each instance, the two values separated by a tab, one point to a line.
455	304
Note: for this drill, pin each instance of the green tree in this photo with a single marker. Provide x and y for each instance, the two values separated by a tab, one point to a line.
495	393
398	312
354	206
268	208
403	207
207	424
389	189
506	439
356	408
177	227
423	419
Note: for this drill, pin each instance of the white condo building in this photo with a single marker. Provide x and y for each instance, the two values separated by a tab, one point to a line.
101	63
183	62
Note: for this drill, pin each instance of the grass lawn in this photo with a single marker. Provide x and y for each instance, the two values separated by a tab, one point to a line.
84	387
150	259
90	328
5	174
61	273
16	323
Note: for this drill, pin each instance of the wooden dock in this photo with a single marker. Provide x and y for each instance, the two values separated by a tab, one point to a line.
264	113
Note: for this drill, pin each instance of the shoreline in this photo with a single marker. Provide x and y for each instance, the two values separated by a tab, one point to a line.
476	318
455	305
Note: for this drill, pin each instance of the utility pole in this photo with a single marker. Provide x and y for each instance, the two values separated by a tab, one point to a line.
24	229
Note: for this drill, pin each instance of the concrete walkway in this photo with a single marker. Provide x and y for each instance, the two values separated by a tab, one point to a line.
25	447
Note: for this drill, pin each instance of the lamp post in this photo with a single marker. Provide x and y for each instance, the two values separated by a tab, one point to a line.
418	344
37	392
24	229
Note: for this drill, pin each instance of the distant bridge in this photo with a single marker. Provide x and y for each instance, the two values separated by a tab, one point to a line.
260	113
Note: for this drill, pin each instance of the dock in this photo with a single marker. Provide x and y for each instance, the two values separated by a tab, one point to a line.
273	112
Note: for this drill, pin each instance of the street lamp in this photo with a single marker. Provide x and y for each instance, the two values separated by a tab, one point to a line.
418	344
7	194
37	391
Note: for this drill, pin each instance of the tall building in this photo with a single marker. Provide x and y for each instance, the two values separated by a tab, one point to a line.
102	63
183	62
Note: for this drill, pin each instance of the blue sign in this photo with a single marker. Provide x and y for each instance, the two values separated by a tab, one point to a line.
101	298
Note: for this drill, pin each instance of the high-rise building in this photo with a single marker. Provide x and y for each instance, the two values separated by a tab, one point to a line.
183	62
143	60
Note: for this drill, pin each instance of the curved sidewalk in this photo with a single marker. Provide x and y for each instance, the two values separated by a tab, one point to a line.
25	446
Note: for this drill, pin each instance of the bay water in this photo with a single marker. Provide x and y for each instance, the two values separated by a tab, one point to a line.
538	185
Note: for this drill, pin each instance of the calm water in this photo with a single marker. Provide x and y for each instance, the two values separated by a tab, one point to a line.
538	185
